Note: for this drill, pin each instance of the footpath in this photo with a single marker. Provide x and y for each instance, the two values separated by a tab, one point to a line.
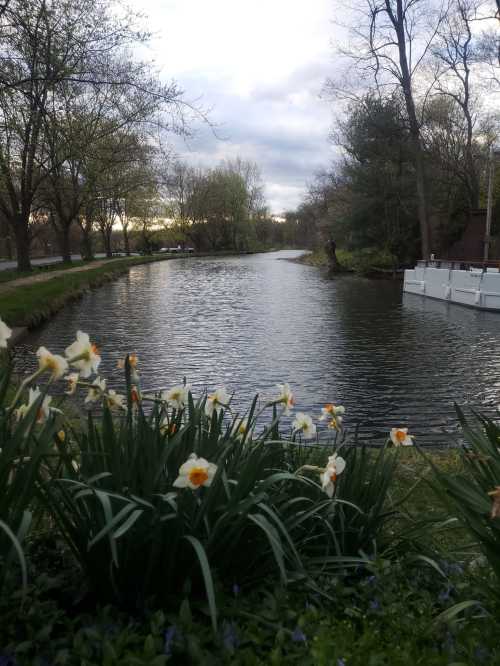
49	275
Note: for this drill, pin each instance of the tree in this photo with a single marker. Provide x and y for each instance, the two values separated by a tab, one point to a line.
48	48
391	44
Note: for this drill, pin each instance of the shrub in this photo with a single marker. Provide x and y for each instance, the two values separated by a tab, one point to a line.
474	495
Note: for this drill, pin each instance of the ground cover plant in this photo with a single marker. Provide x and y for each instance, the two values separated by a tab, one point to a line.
168	527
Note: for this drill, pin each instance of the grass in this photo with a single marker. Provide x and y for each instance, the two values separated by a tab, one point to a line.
30	304
364	262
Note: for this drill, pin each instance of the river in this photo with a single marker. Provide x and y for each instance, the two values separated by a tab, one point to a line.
249	322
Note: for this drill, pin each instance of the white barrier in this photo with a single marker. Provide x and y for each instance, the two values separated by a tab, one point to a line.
475	287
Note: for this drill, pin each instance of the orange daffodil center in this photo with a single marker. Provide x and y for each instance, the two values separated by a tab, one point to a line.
400	437
195	473
334	415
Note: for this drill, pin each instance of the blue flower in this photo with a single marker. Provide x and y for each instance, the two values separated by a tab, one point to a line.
170	635
340	662
375	604
236	589
298	635
229	636
7	660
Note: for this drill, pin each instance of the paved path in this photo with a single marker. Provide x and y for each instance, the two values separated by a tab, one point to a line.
43	277
6	265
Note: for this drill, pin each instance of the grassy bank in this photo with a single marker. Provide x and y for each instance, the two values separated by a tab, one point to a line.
30	304
364	262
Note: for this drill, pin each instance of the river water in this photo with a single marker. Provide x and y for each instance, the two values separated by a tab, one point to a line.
252	321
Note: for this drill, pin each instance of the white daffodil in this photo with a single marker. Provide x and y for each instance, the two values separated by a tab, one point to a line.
195	472
115	401
177	396
334	415
328	477
400	437
33	396
44	409
216	401
96	390
304	423
330	410
286	397
72	380
83	355
55	364
5	334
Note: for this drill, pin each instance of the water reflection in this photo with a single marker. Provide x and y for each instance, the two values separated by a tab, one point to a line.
250	322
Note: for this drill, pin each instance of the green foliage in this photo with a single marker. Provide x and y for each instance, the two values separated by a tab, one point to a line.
23	452
384	618
138	537
474	494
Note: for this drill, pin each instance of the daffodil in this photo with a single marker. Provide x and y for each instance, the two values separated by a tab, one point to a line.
55	364
400	437
177	396
195	472
329	411
334	414
304	423
216	401
72	380
115	401
44	409
240	429
83	355
5	334
328	476
285	397
96	390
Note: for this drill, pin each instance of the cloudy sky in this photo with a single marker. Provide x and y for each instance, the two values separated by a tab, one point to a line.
260	67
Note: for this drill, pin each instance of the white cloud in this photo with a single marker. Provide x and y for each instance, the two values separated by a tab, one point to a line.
260	65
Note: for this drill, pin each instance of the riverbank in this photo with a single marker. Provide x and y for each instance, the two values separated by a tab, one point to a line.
367	262
28	301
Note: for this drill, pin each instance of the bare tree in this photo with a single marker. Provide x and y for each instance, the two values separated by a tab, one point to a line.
457	54
390	45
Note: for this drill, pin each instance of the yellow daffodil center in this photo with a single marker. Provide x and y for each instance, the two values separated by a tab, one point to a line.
61	435
51	364
333	477
198	476
400	435
329	408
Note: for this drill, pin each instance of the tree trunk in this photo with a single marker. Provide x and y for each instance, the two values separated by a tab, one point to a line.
21	233
64	244
87	250
107	243
126	241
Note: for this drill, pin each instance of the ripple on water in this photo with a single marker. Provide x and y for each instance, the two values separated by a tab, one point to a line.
251	322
